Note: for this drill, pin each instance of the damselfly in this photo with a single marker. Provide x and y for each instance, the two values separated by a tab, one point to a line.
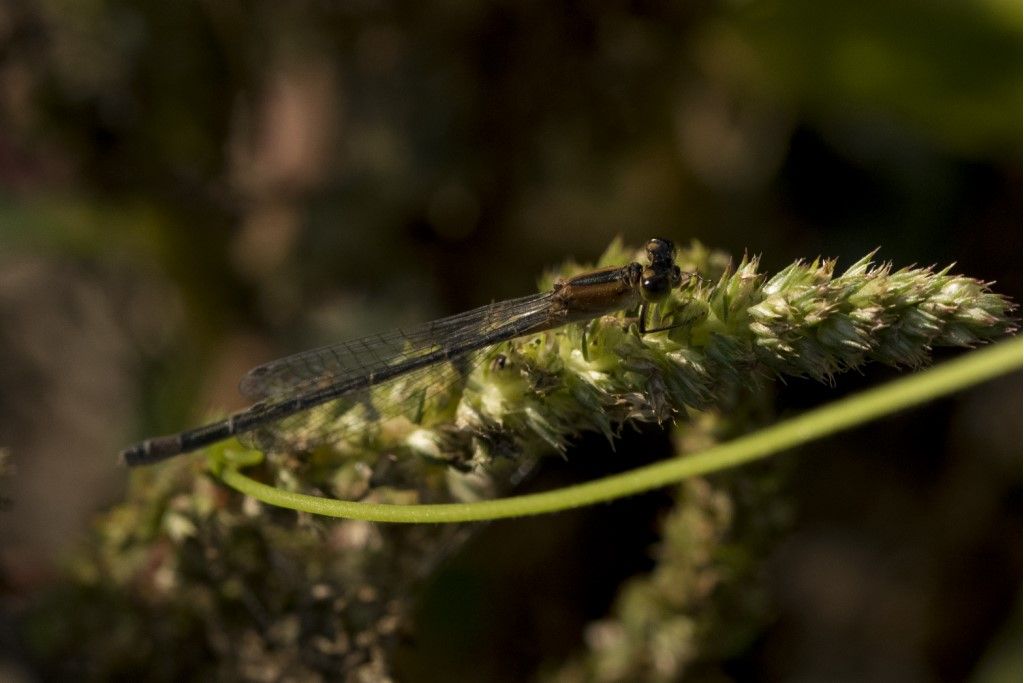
293	385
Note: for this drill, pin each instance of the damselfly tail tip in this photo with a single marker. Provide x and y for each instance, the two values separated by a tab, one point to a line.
135	455
126	457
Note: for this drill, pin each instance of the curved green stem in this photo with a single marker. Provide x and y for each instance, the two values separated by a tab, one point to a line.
970	369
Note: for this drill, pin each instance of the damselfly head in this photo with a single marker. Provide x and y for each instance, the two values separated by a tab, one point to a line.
662	275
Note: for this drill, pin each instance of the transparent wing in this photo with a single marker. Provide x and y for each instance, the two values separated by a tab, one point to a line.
338	363
429	391
424	391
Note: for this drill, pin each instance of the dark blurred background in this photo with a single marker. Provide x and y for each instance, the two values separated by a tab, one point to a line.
190	188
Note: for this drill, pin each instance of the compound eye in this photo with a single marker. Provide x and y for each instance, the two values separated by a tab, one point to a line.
656	285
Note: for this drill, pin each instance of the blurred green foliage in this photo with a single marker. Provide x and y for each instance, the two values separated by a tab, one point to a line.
218	183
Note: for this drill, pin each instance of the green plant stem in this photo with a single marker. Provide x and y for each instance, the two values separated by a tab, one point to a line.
972	368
